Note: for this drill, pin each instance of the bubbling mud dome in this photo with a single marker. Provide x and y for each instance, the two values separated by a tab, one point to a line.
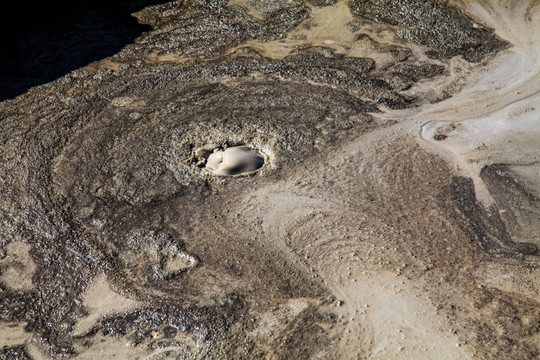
235	160
368	188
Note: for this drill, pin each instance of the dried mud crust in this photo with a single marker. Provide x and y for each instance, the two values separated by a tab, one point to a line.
97	175
120	163
206	29
444	29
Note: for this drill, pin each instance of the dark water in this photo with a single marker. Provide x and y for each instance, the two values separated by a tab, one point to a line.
47	40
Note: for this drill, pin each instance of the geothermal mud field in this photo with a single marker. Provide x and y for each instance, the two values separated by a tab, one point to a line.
253	179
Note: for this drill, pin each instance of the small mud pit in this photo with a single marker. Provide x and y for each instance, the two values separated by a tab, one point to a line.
235	160
442	132
439	137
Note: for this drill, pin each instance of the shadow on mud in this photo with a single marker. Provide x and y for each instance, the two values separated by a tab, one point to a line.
46	40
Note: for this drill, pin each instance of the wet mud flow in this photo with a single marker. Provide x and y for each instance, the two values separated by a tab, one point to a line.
252	179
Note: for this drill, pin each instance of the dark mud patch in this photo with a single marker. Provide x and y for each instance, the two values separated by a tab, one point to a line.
153	256
14	353
518	204
505	321
178	330
207	29
207	322
439	137
487	229
435	24
306	337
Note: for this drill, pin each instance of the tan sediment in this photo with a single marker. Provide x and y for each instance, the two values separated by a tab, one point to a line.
329	27
392	319
105	64
17	267
160	56
112	349
99	300
13	334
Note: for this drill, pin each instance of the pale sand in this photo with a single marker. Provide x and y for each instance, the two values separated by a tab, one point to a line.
12	334
381	312
17	267
385	313
499	110
101	299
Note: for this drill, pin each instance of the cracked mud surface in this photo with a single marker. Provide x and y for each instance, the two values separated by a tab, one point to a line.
387	206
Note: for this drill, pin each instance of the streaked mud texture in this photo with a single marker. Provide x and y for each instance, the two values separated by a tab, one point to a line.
377	193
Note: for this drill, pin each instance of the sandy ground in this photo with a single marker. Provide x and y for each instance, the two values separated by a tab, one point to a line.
101	299
493	120
382	314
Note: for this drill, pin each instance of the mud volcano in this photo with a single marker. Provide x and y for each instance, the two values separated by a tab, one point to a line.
254	179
